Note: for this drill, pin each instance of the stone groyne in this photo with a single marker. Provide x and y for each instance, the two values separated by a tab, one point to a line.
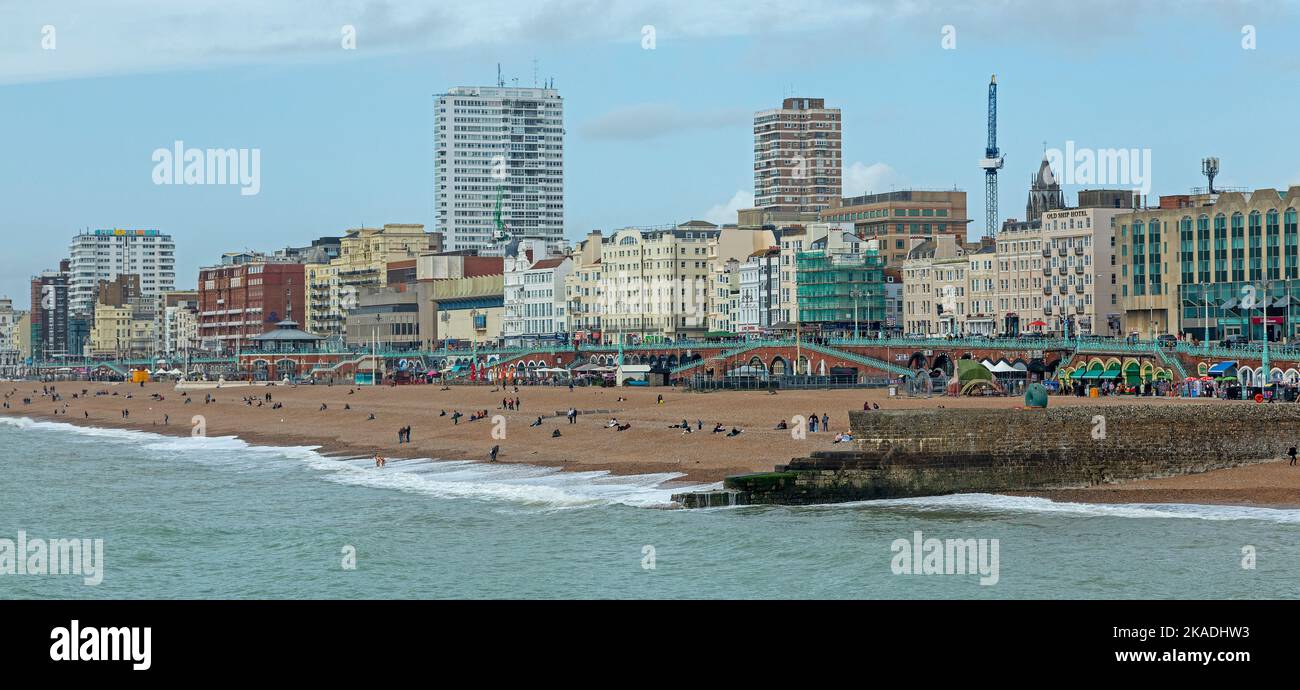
931	452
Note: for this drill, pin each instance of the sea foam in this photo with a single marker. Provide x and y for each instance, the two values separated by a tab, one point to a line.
531	485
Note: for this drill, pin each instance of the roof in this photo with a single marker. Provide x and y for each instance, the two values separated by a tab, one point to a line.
924	250
287	331
548	263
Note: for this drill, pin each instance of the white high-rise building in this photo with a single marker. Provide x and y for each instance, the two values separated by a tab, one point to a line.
497	144
105	254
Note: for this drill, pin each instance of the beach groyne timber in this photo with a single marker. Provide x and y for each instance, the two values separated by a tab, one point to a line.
905	453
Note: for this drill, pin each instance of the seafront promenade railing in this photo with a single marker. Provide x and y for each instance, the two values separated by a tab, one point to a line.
1212	351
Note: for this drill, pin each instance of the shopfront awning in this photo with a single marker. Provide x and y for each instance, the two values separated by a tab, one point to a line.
1222	368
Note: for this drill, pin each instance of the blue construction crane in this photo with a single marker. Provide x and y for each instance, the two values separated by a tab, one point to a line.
991	163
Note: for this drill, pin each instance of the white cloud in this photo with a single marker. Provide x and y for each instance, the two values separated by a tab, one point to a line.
860	178
726	213
651	120
134	36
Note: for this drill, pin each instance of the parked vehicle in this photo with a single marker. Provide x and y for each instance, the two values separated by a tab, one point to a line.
1234	341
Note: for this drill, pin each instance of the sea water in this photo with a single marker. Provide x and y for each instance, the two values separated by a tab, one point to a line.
219	518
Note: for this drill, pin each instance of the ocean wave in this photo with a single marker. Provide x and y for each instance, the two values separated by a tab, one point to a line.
532	485
993	503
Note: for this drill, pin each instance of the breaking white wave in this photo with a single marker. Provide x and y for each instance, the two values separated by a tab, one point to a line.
993	503
528	484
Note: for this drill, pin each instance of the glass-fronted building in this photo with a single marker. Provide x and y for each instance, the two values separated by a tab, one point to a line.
1215	266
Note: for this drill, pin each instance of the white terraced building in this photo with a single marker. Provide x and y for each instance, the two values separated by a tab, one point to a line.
498	142
105	254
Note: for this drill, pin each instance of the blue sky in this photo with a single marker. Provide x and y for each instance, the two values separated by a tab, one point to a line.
653	136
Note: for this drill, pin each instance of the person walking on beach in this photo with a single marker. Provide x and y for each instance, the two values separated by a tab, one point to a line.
826	422
1291	452
492	454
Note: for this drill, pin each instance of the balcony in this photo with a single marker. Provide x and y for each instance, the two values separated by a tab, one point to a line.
1047	309
1047	289
1078	268
1063	269
1078	308
1078	288
1047	269
1061	251
1078	250
1047	252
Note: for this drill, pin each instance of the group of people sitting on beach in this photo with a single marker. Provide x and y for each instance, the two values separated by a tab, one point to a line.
718	428
613	424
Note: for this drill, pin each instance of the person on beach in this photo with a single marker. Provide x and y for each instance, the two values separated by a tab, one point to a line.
555	434
1291	453
492	455
573	416
659	400
781	426
718	428
826	422
538	422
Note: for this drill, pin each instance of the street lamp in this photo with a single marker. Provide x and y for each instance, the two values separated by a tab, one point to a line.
855	293
374	372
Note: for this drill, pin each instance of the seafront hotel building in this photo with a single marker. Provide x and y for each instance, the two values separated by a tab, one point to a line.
1212	266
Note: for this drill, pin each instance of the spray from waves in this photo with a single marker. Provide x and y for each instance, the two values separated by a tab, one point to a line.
993	503
530	485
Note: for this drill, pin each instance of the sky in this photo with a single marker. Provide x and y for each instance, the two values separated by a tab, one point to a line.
659	97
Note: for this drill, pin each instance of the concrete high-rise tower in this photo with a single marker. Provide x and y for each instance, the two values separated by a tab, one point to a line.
498	166
797	163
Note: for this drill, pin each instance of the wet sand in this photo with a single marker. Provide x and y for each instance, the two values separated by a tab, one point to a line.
649	446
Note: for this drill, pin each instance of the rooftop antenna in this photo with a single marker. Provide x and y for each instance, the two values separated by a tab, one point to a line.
534	73
1210	169
500	82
